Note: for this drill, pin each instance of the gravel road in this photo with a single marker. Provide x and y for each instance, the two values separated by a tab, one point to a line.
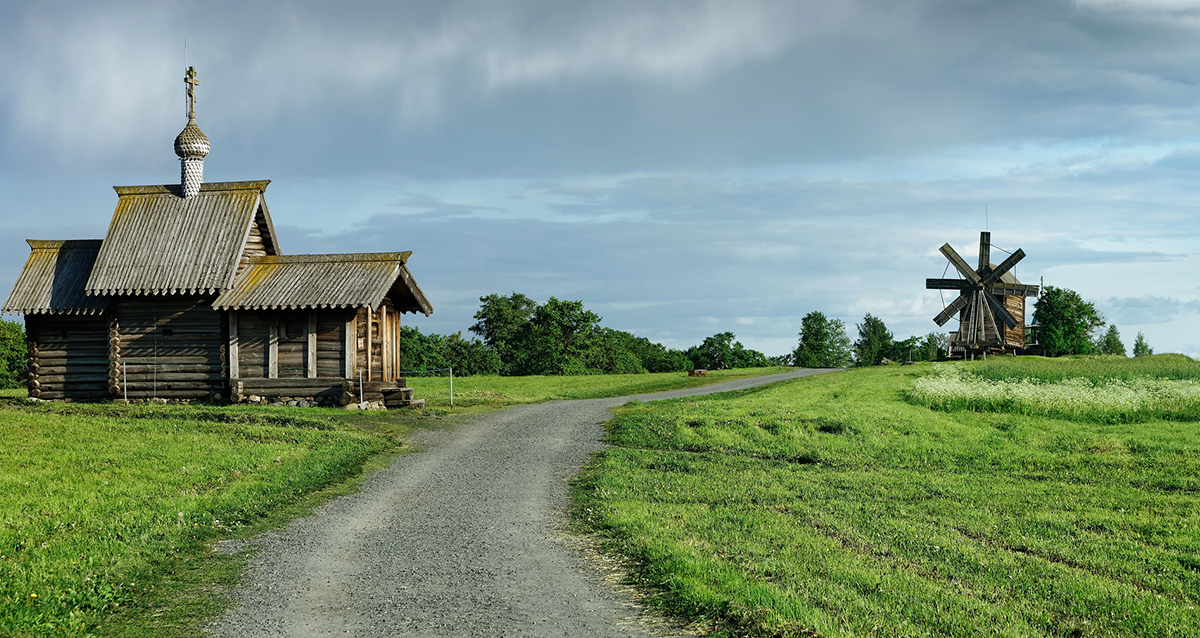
463	539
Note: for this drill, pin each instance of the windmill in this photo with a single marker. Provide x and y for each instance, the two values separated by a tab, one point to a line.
989	297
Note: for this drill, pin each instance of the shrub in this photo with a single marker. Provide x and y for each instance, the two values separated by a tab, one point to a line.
13	363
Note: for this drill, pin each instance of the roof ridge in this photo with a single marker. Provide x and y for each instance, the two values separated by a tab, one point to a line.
401	256
46	244
174	189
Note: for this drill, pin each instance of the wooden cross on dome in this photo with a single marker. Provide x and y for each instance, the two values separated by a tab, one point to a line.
191	81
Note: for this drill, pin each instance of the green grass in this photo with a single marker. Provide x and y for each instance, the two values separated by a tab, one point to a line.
831	506
1100	389
1094	368
107	512
497	392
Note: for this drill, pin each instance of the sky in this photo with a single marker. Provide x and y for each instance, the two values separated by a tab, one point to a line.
683	168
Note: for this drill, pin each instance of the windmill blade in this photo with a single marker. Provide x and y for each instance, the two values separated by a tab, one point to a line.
985	251
1014	290
954	307
1004	267
959	264
946	284
1002	312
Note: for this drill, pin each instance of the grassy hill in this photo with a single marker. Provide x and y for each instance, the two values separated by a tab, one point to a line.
108	513
844	505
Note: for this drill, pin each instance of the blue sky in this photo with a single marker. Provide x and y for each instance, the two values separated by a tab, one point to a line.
684	168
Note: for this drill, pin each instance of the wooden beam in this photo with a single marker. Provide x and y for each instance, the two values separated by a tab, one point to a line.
1004	267
985	251
946	284
233	345
311	333
385	352
350	347
960	265
369	314
273	348
948	312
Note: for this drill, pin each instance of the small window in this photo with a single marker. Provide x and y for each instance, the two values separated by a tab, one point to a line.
362	343
295	329
67	335
166	332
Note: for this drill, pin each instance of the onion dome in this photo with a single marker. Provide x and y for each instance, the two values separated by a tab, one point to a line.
192	143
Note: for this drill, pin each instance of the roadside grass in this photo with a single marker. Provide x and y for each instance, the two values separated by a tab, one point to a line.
490	392
1101	389
831	506
108	512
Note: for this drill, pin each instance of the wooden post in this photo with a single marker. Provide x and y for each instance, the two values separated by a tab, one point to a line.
233	346
273	348
369	344
350	348
385	360
311	332
115	382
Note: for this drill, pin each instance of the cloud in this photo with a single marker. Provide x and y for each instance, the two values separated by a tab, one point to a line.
1148	309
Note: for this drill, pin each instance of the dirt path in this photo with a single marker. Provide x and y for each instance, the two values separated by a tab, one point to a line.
462	539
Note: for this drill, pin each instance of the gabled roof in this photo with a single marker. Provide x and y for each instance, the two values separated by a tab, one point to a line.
53	279
325	281
160	243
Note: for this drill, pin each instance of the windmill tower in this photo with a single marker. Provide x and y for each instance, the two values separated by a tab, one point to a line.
990	304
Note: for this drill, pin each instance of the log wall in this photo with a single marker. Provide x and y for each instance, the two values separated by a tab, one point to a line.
306	343
1015	305
166	348
68	356
376	348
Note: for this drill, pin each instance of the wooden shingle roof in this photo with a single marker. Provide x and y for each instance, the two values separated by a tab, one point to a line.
53	279
325	281
160	243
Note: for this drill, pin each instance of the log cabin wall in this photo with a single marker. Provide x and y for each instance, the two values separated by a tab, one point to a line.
331	343
68	356
376	348
166	348
1015	305
253	343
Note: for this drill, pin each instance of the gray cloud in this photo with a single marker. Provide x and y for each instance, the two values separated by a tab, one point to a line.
1136	311
683	167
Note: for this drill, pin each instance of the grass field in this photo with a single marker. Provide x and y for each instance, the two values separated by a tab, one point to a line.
1102	389
108	513
497	392
833	506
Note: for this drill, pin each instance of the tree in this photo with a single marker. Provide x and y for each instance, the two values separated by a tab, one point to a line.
1140	347
823	343
612	353
555	340
656	357
435	353
13	363
874	341
499	320
721	351
932	347
1066	323
1110	343
900	350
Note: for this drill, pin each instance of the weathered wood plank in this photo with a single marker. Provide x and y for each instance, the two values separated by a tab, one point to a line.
273	350
311	356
